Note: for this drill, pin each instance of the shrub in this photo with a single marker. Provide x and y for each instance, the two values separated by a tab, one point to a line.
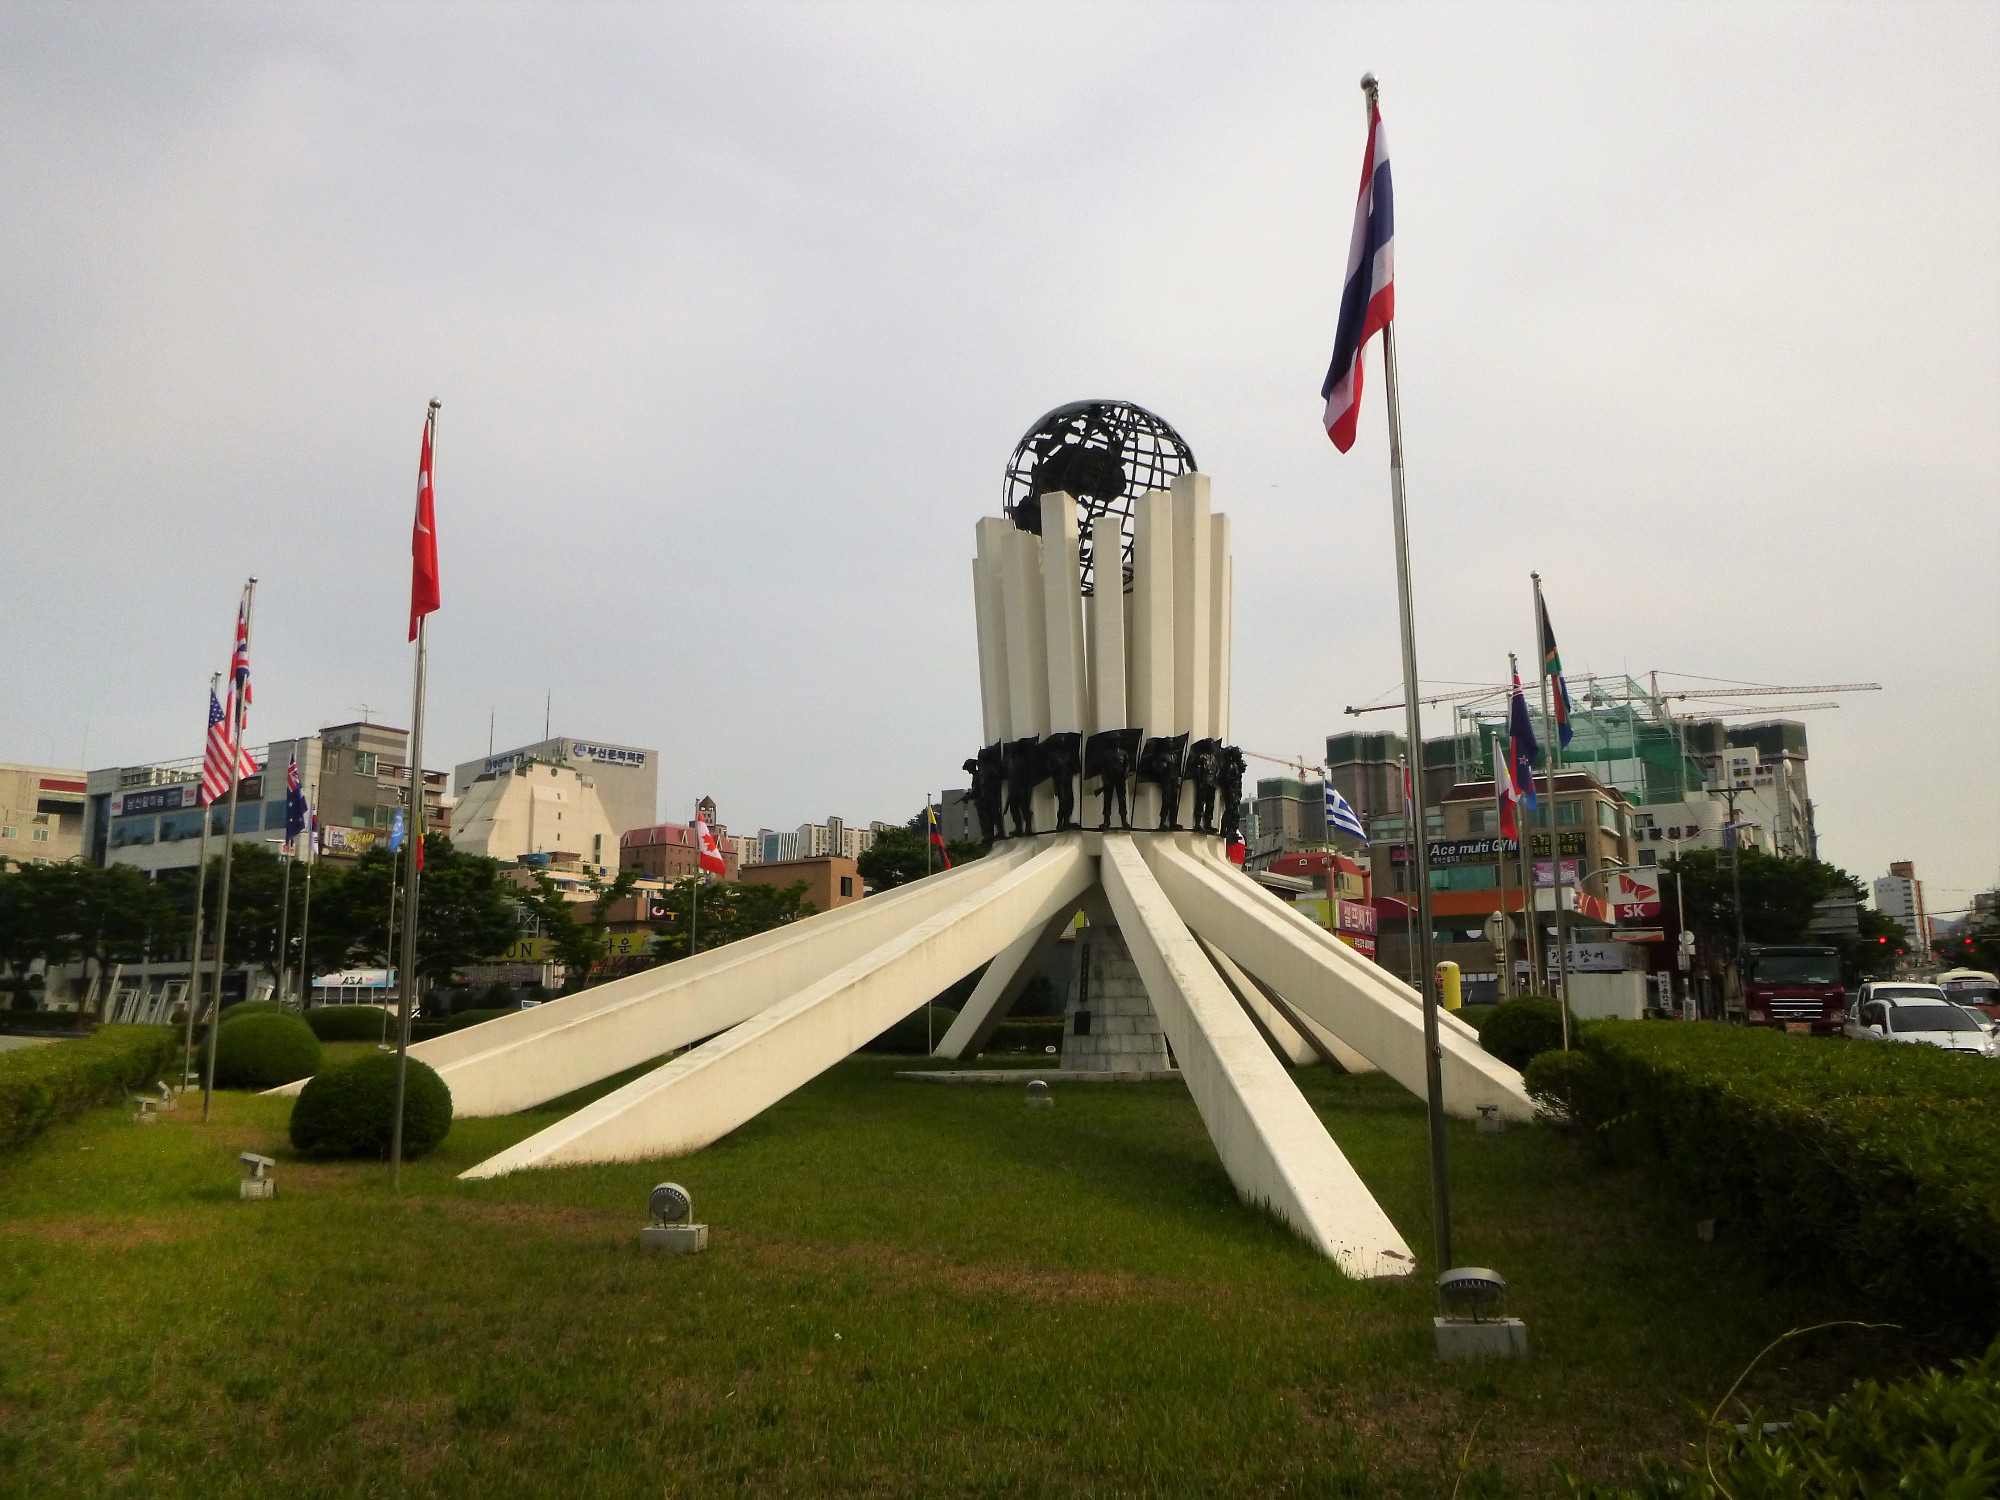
254	1008
347	1023
1031	1034
263	1051
350	1111
1929	1435
499	997
40	1085
907	1035
1873	1166
1519	1031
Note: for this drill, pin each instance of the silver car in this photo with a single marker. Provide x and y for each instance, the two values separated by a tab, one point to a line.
1904	1012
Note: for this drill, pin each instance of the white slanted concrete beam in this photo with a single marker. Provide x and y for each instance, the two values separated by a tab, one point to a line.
1062	614
989	600
517	1061
1272	1024
704	1094
1331	984
1193	537
1273	1146
999	987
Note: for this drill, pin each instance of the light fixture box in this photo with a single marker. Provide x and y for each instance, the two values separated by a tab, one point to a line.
674	1239
1462	1340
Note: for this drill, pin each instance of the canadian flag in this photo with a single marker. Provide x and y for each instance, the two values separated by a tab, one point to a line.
711	855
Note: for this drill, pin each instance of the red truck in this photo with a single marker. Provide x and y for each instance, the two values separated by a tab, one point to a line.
1793	986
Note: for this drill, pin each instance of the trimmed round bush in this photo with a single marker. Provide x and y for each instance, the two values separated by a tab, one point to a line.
254	1008
1519	1031
350	1111
263	1051
347	1023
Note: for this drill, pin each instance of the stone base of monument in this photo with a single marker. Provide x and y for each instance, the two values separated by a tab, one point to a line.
674	1239
1109	1025
1462	1340
251	1187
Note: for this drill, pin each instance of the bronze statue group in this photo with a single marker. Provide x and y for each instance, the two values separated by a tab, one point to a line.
1006	775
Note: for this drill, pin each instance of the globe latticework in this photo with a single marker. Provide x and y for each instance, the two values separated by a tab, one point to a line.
1103	453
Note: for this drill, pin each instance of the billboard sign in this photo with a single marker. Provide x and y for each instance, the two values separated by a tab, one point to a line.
154	799
1635	893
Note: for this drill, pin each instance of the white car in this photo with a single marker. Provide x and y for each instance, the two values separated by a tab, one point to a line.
1919	1013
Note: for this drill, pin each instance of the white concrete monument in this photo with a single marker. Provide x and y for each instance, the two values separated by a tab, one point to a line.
1239	982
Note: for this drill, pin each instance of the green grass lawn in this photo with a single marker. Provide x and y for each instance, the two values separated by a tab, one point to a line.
909	1289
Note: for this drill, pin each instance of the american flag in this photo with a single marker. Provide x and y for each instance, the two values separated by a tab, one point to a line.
215	777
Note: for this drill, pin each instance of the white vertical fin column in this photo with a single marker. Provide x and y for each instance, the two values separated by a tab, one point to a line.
1191	606
1221	576
1062	610
990	609
1151	689
1106	616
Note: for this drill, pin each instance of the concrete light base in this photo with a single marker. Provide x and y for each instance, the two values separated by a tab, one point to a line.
1460	1340
674	1239
251	1187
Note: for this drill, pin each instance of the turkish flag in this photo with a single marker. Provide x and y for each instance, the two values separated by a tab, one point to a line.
423	544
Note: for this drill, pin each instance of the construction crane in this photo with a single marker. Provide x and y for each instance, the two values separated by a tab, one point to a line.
1434	699
1744	690
1291	762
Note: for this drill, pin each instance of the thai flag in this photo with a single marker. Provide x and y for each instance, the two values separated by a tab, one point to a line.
937	835
1524	746
1368	299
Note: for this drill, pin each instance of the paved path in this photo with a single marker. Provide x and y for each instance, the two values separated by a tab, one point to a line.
13	1043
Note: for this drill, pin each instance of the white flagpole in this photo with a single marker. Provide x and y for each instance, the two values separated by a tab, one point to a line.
414	855
1413	726
200	890
237	713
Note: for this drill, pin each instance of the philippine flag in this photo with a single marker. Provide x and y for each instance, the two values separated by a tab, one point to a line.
1368	300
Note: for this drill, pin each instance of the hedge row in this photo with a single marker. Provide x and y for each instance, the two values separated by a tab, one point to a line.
41	1085
347	1023
1877	1167
1934	1434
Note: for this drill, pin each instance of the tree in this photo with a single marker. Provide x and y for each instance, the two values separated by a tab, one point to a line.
61	913
900	855
728	910
1779	893
466	913
579	942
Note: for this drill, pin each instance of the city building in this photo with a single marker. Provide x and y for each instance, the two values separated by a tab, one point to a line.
529	808
627	778
669	851
41	814
1899	895
814	840
358	778
149	816
831	879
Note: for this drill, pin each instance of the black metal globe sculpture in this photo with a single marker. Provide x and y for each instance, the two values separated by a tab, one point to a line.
1103	453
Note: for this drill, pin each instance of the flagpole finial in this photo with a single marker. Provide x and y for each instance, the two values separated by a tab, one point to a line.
1371	86
435	403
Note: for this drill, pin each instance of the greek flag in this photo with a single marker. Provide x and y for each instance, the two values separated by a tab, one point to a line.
1340	815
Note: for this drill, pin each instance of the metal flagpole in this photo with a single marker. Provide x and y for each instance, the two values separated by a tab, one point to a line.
414	834
1531	946
1553	750
284	925
200	890
1410	906
237	710
312	853
1500	878
1413	717
930	1043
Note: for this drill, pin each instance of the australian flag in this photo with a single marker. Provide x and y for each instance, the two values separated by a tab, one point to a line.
296	811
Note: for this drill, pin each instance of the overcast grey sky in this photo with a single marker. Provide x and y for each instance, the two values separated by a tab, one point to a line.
737	311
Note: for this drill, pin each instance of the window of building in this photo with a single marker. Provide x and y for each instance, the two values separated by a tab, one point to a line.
1607	816
1568	815
1463	878
329	760
41	835
249	818
847	885
1539	818
364	763
124	833
1482	820
1386	828
1649	856
10	833
1434	822
364	817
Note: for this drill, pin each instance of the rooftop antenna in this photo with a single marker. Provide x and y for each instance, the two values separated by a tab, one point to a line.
491	714
547	699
